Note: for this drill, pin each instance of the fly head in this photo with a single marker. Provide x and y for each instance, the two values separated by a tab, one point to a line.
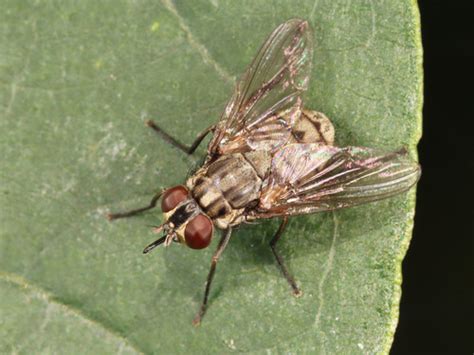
185	223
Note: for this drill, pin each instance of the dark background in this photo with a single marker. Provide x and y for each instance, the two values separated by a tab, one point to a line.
436	312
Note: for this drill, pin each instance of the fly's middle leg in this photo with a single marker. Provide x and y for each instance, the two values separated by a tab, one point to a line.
152	204
174	142
215	258
279	259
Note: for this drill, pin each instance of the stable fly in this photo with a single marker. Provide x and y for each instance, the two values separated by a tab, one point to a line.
270	157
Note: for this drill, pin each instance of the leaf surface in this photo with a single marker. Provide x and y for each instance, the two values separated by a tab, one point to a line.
78	80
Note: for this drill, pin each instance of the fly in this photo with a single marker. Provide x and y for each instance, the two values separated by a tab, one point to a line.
269	157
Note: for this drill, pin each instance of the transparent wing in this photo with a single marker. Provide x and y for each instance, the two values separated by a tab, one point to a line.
308	178
266	101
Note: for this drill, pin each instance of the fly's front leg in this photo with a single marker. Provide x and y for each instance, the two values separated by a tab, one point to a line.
215	258
153	202
177	144
279	259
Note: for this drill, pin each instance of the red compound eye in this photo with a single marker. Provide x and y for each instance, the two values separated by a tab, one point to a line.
173	197
198	232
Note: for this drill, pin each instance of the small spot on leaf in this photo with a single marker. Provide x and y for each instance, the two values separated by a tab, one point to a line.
155	26
99	63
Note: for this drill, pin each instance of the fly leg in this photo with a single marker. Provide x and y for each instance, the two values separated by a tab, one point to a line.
279	259
171	140
153	202
215	258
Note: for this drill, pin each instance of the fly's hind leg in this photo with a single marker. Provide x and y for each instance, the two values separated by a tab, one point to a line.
279	259
171	140
152	204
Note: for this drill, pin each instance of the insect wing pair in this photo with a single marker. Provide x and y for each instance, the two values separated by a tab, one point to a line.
304	177
269	157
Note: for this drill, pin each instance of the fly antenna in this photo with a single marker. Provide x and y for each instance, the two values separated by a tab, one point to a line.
158	229
153	245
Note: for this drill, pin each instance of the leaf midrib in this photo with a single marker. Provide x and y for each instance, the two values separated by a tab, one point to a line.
26	286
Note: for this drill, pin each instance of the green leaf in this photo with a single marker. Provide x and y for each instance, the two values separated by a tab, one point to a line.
78	79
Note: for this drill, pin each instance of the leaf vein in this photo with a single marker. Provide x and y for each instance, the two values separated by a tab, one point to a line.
327	270
199	47
51	301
